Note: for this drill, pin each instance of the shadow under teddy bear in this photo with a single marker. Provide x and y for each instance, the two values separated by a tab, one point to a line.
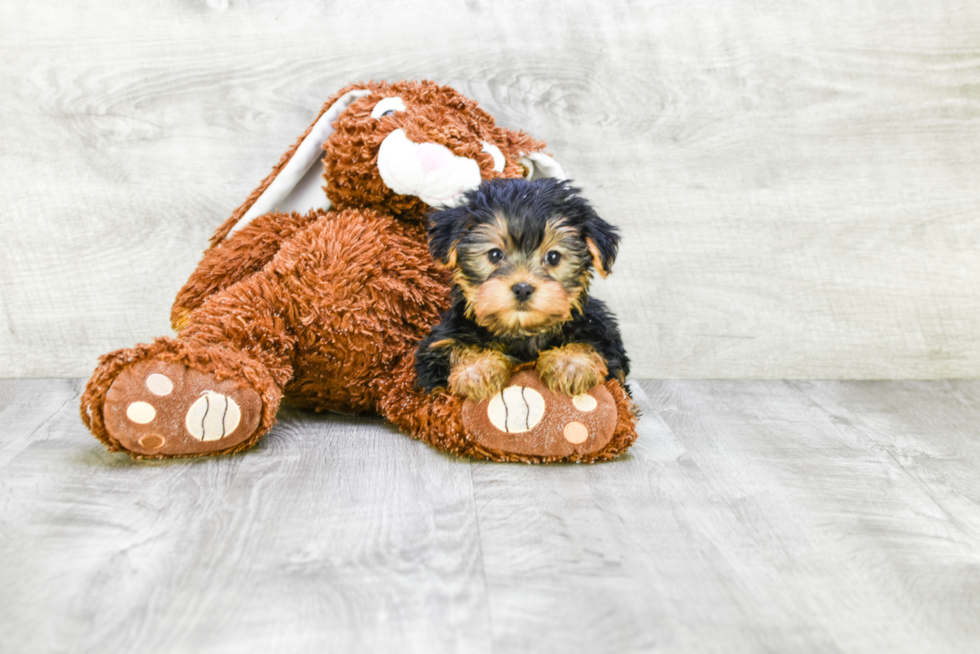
324	301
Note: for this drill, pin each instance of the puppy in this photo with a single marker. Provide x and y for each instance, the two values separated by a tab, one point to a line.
522	255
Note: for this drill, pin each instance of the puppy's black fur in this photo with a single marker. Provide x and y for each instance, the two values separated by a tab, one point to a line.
523	215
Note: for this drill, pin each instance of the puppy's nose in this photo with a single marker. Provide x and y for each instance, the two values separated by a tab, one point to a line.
522	291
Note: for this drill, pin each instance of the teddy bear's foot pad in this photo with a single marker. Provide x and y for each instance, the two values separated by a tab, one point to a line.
528	419
160	408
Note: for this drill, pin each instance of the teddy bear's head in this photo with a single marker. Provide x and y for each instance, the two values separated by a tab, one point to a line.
407	146
400	148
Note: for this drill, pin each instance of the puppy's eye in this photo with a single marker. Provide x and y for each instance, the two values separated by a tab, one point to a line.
553	258
495	255
390	112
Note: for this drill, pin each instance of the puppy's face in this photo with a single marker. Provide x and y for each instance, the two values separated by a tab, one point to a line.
522	253
519	278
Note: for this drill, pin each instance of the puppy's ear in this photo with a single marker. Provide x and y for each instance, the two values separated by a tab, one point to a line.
600	237
602	240
446	228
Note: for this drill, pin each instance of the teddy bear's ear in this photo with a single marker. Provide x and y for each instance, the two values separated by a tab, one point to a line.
295	183
538	165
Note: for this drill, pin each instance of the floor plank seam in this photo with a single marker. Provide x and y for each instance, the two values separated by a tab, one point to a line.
30	437
483	563
867	433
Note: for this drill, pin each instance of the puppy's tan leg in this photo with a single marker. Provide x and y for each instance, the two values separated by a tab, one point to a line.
572	369
477	373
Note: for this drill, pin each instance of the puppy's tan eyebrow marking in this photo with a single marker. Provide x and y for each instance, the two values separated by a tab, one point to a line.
557	236
494	233
500	232
441	343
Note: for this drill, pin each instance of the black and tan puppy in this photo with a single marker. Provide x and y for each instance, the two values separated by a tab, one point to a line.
522	253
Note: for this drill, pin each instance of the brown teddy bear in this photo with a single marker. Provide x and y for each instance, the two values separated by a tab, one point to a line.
322	294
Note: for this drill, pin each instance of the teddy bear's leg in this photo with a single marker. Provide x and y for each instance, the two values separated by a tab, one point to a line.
215	389
237	258
525	422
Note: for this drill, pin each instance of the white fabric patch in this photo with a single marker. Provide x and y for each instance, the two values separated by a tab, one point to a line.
159	384
585	402
428	171
394	103
212	417
516	409
141	412
298	186
539	166
498	157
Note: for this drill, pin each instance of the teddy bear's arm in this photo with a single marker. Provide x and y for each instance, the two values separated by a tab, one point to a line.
236	258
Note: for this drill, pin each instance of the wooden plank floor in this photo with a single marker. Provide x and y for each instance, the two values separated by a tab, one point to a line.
751	516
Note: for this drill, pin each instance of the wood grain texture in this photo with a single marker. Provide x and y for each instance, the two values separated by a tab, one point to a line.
336	534
749	516
796	182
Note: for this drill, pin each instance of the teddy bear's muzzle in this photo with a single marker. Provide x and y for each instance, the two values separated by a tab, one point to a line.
429	171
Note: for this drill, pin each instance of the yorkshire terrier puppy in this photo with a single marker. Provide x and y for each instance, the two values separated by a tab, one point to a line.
522	254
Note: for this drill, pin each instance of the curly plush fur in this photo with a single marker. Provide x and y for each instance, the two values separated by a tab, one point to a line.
326	308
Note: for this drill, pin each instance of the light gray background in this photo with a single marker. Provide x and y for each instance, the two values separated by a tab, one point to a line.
797	183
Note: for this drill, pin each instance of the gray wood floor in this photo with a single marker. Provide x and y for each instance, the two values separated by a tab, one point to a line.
749	517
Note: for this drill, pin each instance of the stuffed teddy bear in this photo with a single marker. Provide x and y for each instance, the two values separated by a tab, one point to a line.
319	290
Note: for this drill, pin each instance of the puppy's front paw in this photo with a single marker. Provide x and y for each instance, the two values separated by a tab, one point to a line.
478	374
571	369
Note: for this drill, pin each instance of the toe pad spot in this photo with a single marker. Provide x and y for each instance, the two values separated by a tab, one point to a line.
576	432
141	412
153	441
159	384
585	402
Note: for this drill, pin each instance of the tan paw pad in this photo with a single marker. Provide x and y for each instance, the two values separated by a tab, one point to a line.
160	408
528	419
